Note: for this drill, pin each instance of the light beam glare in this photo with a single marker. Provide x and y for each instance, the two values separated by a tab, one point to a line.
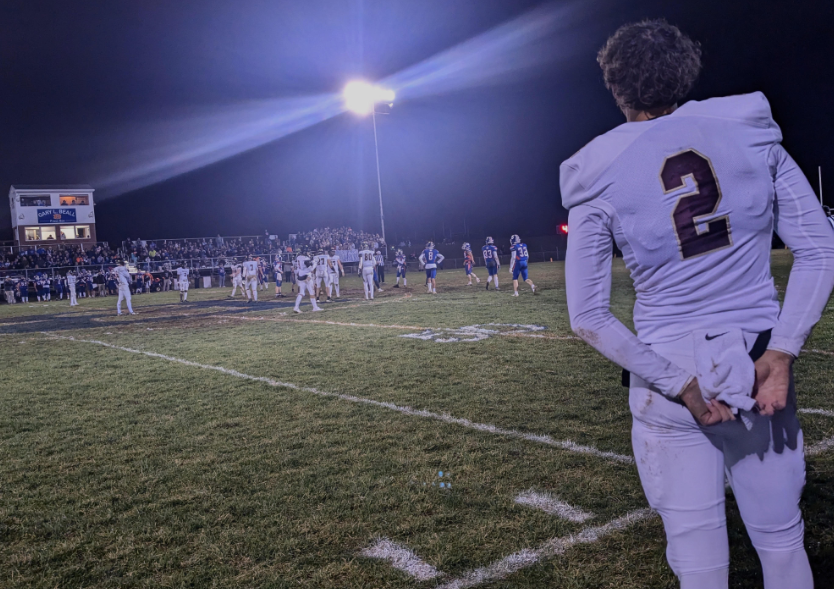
144	154
550	34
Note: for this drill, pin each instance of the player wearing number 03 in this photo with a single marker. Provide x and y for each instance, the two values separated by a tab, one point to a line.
691	196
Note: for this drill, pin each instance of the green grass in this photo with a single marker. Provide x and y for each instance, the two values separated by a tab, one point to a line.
123	470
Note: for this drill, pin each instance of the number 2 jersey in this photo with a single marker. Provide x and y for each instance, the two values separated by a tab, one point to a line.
692	199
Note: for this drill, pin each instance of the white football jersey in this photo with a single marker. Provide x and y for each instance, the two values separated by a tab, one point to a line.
320	263
333	264
366	259
182	274
124	275
250	269
301	269
71	279
692	199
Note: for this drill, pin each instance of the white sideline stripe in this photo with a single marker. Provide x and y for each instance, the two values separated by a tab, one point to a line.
553	506
401	558
827	353
444	417
820	447
526	558
825	412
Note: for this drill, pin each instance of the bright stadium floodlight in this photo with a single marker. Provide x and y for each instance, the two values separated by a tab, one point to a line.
362	98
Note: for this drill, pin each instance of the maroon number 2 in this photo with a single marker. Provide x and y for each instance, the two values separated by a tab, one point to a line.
698	204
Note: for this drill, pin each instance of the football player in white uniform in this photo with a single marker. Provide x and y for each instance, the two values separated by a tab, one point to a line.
250	279
123	274
367	263
334	269
71	279
320	274
278	271
182	282
237	279
304	277
691	195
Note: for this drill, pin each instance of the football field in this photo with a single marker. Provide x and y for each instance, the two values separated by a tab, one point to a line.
464	439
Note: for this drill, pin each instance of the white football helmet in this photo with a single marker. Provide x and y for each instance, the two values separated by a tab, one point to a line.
430	245
515	240
466	246
399	252
490	241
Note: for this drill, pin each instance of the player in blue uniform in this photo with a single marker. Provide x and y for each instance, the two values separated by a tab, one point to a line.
402	268
490	253
430	258
518	263
469	263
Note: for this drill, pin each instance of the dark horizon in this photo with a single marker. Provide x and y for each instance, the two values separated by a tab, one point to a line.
82	83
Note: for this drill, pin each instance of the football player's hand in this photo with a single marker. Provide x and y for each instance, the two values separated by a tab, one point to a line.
705	412
773	377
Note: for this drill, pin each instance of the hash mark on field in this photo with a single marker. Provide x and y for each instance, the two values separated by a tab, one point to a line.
825	352
825	412
553	506
528	557
568	445
401	558
820	447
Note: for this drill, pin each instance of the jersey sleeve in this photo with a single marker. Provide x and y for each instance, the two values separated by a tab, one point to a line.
588	285
801	224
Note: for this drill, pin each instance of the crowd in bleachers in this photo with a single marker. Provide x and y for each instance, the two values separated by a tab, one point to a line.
52	256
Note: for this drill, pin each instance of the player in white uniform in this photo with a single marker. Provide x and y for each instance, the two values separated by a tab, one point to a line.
691	196
334	269
71	279
182	282
250	279
304	277
367	263
320	274
237	279
123	275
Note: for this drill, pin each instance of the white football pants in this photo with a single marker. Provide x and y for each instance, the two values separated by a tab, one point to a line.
73	300
305	287
368	282
682	468
124	295
251	287
333	281
237	282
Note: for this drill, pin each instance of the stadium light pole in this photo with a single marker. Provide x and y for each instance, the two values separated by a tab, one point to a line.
362	98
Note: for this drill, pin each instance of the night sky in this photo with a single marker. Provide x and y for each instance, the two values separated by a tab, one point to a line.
92	88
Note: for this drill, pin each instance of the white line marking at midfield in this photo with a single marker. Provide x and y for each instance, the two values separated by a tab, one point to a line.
401	558
550	504
444	417
555	546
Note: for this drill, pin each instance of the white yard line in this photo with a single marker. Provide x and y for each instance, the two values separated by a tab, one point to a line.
401	558
553	506
568	445
504	567
825	352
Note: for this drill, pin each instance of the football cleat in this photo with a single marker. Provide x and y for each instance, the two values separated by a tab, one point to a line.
515	240
466	246
490	241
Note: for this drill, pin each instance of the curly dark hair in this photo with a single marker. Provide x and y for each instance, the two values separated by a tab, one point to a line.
649	64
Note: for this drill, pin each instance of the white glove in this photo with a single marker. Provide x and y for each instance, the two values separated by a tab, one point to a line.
724	369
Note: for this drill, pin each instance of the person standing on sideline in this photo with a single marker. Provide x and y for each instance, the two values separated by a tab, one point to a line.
691	194
182	279
221	274
490	253
367	263
380	267
518	263
430	258
402	268
71	279
469	263
124	288
278	271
